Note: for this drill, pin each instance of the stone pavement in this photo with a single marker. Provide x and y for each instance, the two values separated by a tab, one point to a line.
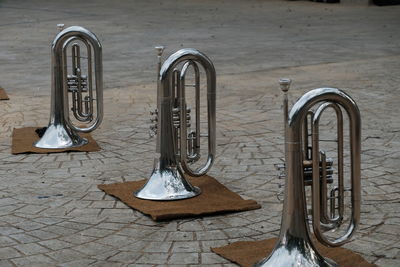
51	212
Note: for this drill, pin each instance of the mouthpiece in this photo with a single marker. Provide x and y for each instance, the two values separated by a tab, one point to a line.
60	27
159	50
285	84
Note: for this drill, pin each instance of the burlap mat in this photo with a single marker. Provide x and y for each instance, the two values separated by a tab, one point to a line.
23	139
3	94
214	199
247	253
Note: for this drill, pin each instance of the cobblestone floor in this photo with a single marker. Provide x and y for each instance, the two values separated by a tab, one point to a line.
51	212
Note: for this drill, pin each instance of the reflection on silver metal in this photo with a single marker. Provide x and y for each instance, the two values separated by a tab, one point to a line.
177	146
294	247
61	132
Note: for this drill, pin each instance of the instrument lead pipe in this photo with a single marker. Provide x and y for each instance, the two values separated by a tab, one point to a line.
159	50
285	85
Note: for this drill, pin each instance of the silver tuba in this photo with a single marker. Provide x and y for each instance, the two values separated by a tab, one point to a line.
307	165
72	76
178	146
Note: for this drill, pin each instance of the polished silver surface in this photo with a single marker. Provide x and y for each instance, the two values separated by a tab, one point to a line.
178	146
61	131
294	247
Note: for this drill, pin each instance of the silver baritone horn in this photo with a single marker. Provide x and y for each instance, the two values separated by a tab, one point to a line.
307	165
178	146
72	74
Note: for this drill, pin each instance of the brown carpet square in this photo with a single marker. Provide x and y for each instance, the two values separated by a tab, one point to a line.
248	253
214	199
3	94
23	139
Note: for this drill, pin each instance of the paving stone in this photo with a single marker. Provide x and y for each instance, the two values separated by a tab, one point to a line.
6	242
24	238
34	260
55	244
43	234
135	246
211	235
180	236
79	263
184	258
153	258
388	262
31	248
96	232
117	240
65	255
7	230
6	263
8	253
211	258
92	248
161	236
192	246
107	263
163	246
77	239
